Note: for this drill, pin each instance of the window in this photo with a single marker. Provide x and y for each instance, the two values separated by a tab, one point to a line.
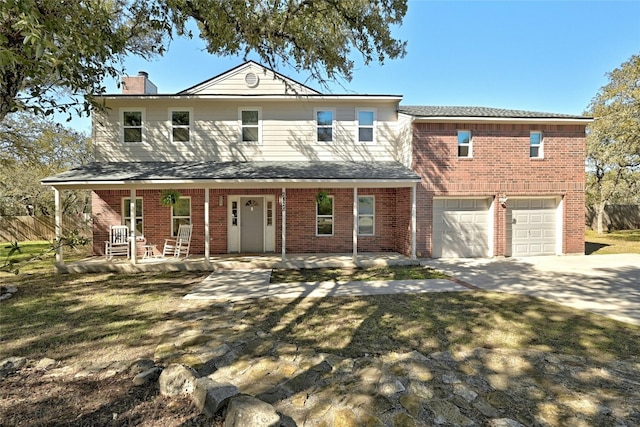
535	145
180	125
234	213
324	217
250	123
180	214
126	214
366	215
132	126
324	125
464	143
269	213
366	124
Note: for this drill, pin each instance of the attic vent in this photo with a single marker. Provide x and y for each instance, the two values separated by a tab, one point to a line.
251	79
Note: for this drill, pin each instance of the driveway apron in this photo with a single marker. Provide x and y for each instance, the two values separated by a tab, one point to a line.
608	285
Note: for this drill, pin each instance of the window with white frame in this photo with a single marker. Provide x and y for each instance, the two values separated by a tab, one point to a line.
180	125
127	217
366	120
535	145
325	122
324	216
132	126
366	215
464	144
180	214
250	124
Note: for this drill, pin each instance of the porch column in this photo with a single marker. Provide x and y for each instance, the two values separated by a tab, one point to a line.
58	227
413	221
284	224
206	224
355	223
132	234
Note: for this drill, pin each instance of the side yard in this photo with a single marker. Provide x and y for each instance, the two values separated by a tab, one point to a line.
615	242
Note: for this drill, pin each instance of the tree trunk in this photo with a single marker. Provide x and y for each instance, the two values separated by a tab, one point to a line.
600	220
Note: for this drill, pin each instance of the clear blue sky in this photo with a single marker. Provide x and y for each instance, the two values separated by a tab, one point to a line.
547	56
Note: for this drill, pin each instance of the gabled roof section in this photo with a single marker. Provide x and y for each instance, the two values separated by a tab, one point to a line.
459	113
250	78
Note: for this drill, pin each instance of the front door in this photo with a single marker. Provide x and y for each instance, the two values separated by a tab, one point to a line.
252	224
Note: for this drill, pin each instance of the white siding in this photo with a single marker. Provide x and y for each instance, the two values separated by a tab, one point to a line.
234	83
288	131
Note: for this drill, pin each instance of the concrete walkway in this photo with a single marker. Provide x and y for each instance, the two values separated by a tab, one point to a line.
238	285
608	285
604	284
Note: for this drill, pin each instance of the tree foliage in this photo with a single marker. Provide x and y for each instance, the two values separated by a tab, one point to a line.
32	148
613	139
50	48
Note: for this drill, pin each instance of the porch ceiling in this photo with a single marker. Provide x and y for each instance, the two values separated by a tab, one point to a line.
261	174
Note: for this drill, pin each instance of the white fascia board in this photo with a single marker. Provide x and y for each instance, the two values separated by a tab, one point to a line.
266	97
552	120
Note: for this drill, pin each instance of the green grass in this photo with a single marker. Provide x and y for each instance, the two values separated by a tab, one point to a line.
359	274
615	242
23	257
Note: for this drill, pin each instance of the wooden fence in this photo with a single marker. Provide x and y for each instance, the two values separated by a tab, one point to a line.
25	228
616	217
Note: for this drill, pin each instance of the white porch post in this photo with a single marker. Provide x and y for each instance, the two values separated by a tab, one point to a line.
413	220
132	234
355	223
58	227
284	223
206	224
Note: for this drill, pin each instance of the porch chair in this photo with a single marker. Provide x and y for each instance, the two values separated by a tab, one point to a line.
118	243
179	245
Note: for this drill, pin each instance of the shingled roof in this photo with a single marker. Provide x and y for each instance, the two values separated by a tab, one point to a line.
484	112
131	172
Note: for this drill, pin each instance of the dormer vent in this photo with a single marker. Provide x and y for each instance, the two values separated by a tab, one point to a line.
251	79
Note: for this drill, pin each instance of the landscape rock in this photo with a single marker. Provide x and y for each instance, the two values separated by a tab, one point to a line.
149	375
45	363
141	365
177	379
246	410
504	422
210	396
11	364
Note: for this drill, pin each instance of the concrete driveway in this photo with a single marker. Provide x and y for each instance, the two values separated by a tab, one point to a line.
604	284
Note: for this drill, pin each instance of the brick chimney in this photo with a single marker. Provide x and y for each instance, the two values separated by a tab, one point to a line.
138	85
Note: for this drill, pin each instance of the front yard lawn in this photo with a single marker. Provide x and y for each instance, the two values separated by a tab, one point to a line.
615	242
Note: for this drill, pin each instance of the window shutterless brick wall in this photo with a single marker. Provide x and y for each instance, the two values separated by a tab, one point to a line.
392	219
501	166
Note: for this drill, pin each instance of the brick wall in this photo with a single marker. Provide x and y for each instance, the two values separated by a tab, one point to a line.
501	166
392	219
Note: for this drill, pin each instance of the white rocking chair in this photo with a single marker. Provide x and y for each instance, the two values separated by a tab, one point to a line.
179	245
118	243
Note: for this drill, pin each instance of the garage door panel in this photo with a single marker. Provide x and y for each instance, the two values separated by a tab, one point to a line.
533	227
460	228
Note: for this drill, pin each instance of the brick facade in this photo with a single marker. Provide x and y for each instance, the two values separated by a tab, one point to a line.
392	219
500	166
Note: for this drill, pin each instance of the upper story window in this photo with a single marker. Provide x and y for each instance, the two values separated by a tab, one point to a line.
250	124
325	122
324	217
127	217
366	215
464	144
180	125
535	145
180	214
132	125
366	125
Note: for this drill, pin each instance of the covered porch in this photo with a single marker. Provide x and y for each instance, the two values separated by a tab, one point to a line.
238	262
289	228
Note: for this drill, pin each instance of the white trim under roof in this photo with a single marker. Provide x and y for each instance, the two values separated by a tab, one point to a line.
267	97
468	119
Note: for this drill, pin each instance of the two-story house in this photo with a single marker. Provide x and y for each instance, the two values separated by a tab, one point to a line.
264	164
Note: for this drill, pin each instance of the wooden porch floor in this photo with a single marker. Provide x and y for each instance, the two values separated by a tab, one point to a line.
230	262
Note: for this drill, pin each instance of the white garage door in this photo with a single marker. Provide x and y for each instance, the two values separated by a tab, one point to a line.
533	226
460	228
